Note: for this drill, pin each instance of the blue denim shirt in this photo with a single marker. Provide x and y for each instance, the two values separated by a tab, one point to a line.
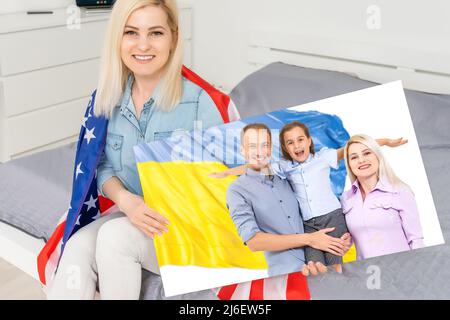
260	203
311	182
125	130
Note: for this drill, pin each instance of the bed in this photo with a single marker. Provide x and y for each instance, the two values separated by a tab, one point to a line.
35	190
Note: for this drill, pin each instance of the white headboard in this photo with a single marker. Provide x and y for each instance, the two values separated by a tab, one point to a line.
424	69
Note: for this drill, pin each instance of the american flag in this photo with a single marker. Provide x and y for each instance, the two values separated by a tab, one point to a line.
86	205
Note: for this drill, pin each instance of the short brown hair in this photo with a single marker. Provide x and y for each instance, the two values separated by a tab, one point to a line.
256	126
289	127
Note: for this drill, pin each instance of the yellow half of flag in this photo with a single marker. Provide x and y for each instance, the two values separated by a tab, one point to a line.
350	256
201	231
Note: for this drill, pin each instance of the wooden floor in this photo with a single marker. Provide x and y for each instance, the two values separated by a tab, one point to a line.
17	285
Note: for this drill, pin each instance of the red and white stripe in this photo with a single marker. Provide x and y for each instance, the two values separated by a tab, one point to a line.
293	286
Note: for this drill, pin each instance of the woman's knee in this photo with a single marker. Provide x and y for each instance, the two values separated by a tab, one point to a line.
76	268
115	236
80	245
120	238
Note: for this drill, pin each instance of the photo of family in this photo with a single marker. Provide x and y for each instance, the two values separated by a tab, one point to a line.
308	187
274	205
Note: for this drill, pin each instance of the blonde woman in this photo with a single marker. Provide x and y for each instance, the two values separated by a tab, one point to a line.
380	209
142	93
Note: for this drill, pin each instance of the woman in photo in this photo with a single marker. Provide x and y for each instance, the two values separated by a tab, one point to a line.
380	209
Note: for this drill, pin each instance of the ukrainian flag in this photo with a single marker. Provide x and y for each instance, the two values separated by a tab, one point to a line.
202	248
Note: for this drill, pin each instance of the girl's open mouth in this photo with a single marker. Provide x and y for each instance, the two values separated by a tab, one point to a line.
299	153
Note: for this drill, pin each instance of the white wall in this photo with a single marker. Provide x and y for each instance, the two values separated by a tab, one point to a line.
11	6
222	27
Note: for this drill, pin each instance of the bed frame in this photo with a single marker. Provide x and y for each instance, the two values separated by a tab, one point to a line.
20	249
424	69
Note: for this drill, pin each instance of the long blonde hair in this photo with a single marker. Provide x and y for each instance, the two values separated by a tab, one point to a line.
114	74
384	170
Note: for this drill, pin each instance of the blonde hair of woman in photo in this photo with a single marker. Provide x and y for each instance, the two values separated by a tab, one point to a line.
144	96
380	209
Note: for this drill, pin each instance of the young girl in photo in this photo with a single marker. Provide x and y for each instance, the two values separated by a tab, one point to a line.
309	175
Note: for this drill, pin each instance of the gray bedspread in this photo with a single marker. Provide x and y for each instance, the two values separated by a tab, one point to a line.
35	190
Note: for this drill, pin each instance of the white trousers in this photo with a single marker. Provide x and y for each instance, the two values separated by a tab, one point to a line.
111	252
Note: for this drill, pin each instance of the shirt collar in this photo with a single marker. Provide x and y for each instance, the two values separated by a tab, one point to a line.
383	185
257	175
310	157
126	99
294	163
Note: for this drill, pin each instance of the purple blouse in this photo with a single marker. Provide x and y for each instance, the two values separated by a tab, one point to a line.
386	222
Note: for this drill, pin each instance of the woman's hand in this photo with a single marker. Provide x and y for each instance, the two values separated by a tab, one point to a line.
144	218
321	241
314	268
347	238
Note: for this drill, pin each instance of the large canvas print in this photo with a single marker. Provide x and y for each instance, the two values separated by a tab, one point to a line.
264	196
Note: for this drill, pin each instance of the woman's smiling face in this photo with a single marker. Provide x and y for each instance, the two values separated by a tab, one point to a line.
147	42
297	144
362	161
